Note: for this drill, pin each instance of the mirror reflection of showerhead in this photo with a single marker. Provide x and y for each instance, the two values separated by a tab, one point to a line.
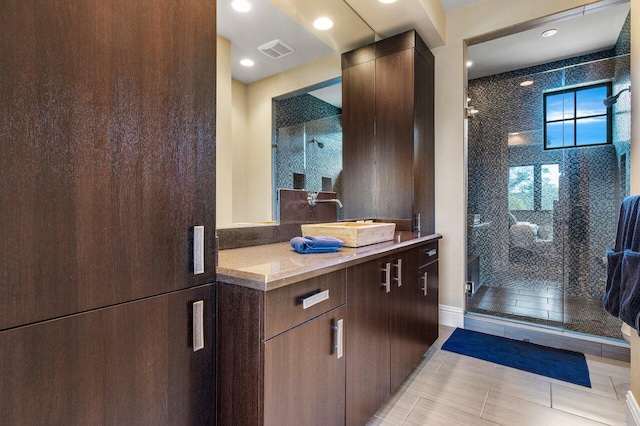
611	100
320	144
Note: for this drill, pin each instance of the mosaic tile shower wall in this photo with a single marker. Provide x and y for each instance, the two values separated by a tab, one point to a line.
563	259
309	143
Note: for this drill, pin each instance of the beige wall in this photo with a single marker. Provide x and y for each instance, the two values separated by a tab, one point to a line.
450	165
244	134
239	113
224	146
258	154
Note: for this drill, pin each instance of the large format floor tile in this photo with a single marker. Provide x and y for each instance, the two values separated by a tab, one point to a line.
452	389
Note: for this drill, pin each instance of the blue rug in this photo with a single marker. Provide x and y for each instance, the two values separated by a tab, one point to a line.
558	364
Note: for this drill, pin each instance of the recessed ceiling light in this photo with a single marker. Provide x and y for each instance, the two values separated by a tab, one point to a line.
549	33
526	83
387	1
241	5
247	62
469	63
323	23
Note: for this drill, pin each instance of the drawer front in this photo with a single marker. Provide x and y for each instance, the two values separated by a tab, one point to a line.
294	304
428	253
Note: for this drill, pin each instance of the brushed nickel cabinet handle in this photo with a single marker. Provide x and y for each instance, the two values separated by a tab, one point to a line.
198	325
432	252
425	280
339	334
308	302
387	271
398	277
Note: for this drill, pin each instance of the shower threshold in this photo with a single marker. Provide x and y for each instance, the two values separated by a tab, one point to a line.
548	336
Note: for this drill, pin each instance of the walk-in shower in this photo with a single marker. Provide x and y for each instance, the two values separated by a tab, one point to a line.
547	170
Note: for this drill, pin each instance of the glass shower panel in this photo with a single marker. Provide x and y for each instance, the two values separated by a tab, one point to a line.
540	220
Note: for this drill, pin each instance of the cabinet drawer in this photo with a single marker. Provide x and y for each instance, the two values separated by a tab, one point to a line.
294	304
428	253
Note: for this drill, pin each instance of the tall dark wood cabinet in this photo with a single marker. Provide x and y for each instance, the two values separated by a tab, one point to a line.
107	162
388	106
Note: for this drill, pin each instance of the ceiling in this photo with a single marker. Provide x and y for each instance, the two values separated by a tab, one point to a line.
449	5
267	23
588	33
330	94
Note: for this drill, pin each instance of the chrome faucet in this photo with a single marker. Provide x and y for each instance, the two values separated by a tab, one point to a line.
312	199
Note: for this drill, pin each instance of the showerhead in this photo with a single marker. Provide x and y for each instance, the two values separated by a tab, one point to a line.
611	100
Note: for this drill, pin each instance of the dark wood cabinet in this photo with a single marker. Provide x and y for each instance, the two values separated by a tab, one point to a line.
304	375
388	132
429	299
367	340
107	152
388	331
127	364
406	307
277	364
107	162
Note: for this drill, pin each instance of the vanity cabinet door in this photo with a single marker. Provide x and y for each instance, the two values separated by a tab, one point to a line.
405	316
367	340
304	373
429	305
129	364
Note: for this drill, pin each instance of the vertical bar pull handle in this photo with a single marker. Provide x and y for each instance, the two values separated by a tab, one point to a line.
339	335
198	250
198	325
387	274
425	281
398	277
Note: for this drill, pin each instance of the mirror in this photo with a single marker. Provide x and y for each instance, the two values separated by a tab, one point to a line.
290	59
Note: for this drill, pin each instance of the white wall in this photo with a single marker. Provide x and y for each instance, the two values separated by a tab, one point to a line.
450	153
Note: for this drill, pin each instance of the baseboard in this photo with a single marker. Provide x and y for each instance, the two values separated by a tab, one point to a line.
633	411
451	316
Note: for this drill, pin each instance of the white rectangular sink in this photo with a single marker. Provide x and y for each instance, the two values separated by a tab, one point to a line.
354	234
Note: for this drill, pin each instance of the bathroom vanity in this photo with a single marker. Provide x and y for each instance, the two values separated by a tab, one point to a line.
321	339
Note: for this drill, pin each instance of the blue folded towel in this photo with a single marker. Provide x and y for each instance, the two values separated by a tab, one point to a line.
312	244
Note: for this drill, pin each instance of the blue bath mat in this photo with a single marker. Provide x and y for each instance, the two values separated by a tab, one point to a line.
558	364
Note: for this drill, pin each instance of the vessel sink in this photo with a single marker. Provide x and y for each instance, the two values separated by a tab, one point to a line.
354	234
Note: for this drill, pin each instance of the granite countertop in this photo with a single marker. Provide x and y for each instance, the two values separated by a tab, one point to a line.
271	266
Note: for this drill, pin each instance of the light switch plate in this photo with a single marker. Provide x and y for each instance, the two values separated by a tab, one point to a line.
198	250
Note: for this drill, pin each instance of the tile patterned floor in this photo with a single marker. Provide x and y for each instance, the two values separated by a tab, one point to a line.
451	389
546	305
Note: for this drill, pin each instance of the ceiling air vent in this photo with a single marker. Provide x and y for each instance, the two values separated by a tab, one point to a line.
276	49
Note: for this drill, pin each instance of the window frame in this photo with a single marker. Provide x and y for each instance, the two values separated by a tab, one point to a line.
575	118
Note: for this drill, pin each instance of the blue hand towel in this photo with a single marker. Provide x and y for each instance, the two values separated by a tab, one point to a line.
310	244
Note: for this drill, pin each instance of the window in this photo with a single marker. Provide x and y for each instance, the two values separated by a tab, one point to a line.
534	187
521	184
577	117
